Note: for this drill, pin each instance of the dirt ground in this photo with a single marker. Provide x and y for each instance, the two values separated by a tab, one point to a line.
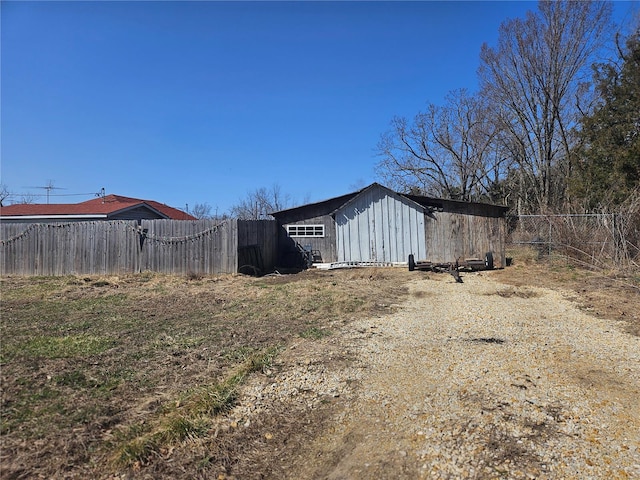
315	411
549	394
612	295
105	376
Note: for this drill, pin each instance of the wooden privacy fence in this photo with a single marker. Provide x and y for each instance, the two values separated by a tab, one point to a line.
124	246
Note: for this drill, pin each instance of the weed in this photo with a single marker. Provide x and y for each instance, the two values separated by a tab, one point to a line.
238	354
180	428
63	347
205	462
73	379
161	290
522	255
315	333
191	416
145	276
45	393
262	360
80	326
137	450
192	276
190	342
216	398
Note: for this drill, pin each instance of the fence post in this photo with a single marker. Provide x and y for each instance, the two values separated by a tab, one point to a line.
141	234
618	242
549	238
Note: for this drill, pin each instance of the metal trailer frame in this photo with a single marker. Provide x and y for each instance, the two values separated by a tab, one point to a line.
453	268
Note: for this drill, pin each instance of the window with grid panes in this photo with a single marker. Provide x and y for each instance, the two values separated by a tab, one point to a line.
305	230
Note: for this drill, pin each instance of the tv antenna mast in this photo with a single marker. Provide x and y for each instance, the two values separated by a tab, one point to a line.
48	187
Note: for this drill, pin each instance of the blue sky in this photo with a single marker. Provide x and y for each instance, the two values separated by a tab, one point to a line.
201	102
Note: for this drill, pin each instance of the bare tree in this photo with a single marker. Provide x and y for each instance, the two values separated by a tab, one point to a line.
260	203
535	78
7	197
202	211
28	198
5	193
448	151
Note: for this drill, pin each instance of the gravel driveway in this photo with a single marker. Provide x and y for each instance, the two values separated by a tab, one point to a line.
469	381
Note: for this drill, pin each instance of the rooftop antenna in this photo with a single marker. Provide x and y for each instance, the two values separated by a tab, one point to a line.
101	194
48	187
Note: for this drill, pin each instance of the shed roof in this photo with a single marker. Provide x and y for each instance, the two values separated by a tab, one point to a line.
101	207
326	207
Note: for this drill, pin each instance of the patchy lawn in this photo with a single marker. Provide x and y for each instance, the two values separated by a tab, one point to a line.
104	376
125	376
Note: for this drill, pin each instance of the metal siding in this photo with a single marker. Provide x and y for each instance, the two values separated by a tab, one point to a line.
392	231
376	226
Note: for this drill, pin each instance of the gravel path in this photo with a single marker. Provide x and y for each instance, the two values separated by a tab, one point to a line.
469	381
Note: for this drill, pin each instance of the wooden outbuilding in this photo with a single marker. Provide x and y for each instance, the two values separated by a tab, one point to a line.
376	224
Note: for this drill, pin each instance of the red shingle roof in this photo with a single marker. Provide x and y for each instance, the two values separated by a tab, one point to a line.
107	205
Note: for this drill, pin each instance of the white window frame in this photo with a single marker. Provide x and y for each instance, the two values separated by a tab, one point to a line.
302	230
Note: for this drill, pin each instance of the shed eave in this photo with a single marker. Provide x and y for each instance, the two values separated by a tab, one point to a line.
307	206
138	205
438	203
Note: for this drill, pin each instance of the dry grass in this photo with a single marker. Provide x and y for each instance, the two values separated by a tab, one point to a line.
112	375
611	294
125	375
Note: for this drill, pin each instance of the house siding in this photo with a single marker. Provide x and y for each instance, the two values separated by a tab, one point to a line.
137	213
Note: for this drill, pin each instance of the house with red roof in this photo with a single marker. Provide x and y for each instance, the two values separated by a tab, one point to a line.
105	207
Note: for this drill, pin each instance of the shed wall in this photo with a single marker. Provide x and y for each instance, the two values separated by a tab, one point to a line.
452	236
325	245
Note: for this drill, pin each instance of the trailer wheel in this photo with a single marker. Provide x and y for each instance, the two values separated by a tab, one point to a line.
412	263
488	260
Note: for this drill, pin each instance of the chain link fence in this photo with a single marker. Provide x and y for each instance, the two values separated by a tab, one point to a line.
597	240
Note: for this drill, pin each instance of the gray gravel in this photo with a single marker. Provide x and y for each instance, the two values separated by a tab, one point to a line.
466	381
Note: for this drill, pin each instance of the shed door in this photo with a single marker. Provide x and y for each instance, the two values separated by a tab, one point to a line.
377	227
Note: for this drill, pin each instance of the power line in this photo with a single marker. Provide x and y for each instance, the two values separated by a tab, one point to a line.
70	194
48	187
39	195
51	194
